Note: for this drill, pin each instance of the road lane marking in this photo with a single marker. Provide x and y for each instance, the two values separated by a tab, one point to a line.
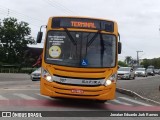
25	96
3	98
18	89
134	101
44	96
119	102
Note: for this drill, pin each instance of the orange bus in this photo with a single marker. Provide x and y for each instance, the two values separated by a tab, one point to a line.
80	58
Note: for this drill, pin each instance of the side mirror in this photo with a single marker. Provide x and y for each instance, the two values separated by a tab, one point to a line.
39	37
119	47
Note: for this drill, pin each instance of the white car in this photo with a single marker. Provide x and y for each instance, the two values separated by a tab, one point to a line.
36	75
126	73
141	72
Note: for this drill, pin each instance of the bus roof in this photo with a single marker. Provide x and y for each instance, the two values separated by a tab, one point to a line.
83	17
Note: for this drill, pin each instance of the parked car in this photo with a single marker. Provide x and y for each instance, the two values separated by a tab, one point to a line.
151	67
141	72
150	72
126	73
157	71
36	75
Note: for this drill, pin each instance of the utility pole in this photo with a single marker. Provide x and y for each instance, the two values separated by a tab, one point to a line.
138	57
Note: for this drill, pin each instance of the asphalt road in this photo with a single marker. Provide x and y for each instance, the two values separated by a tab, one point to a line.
145	86
19	93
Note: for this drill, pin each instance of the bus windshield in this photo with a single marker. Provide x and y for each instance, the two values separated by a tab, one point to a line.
80	49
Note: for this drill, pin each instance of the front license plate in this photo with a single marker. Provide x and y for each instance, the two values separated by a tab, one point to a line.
77	91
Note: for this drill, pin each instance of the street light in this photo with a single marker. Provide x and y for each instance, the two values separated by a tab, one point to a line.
138	57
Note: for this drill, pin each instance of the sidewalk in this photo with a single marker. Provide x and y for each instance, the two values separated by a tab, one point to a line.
144	88
14	76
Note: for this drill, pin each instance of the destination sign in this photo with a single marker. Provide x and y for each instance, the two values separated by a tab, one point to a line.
85	23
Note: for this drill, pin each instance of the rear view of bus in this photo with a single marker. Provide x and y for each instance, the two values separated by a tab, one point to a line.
80	58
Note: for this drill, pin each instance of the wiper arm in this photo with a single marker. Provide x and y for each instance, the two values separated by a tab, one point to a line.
70	37
102	49
93	38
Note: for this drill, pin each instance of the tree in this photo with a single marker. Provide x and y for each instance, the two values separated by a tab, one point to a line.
122	64
14	37
155	62
128	60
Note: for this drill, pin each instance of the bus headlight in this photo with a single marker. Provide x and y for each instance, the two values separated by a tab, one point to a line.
46	75
49	78
111	79
108	82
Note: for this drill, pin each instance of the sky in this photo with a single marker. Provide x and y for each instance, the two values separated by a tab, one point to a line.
138	20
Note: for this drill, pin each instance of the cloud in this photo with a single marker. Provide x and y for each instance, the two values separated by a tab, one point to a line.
138	20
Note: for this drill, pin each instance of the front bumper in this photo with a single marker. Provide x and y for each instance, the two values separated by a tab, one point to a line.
85	92
150	73
123	76
140	74
33	77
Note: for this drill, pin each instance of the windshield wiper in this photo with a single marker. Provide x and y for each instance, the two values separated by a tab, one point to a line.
93	38
74	42
102	49
70	37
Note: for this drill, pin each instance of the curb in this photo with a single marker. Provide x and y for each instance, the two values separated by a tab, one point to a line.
134	94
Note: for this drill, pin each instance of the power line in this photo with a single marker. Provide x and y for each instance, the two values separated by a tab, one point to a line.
56	6
9	11
62	6
3	13
35	22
